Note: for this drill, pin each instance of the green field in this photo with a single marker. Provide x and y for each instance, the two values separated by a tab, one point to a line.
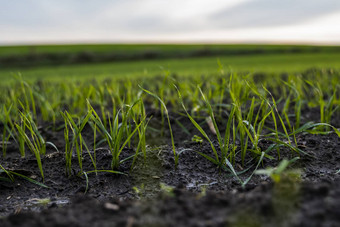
163	48
134	60
267	63
142	127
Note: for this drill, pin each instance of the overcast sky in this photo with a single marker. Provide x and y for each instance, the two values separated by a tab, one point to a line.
58	21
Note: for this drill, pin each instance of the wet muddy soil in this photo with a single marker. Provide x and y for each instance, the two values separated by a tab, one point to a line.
311	205
155	192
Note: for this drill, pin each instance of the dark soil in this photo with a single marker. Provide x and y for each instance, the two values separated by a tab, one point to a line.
156	193
309	205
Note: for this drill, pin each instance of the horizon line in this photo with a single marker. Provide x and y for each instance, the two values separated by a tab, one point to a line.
167	42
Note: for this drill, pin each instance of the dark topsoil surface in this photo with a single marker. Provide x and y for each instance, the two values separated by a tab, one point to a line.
155	193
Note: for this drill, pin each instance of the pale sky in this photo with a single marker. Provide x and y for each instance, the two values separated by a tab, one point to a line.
230	21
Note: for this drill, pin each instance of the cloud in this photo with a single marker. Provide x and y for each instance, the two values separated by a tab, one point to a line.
270	13
122	15
141	20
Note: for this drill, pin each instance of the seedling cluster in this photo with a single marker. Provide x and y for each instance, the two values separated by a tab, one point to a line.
236	114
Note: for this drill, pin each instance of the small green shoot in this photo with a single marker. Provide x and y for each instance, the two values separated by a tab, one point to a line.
244	183
277	173
11	178
115	135
197	139
169	123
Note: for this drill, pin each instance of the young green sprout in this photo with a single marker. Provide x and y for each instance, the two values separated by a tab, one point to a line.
77	140
169	123
34	140
276	174
114	136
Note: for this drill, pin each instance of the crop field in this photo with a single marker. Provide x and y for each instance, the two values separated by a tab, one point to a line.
170	135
